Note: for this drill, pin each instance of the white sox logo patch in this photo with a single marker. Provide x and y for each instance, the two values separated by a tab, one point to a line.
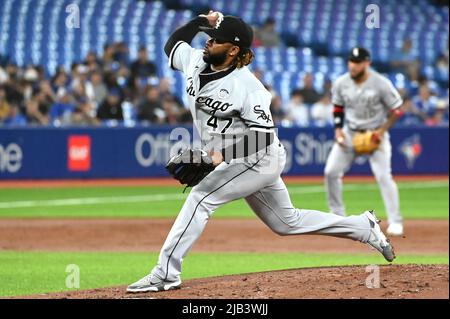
262	114
223	94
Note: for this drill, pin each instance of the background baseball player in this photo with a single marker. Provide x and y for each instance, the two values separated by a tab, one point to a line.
225	100
366	105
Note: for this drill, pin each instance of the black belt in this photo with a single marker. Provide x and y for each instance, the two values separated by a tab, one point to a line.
357	130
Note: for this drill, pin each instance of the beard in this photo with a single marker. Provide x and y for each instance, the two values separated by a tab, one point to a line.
215	59
359	75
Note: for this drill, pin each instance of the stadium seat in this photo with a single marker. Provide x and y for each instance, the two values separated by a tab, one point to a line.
317	34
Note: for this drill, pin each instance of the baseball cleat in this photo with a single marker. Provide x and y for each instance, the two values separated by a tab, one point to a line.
153	284
395	229
377	239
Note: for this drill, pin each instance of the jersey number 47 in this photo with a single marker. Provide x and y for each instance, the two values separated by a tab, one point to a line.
212	121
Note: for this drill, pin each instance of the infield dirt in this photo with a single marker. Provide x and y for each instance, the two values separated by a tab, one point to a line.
396	281
250	235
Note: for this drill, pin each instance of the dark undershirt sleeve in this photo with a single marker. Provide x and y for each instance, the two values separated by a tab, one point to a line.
185	33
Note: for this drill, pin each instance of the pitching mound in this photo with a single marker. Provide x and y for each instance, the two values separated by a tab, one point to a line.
395	281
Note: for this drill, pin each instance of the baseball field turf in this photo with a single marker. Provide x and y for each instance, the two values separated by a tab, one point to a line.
38	270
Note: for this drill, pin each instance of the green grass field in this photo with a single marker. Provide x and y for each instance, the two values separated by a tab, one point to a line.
24	273
418	200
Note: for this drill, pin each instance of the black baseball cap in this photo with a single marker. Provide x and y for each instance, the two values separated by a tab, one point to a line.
232	29
359	54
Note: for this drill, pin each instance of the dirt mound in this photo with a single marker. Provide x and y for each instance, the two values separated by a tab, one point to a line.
395	281
249	235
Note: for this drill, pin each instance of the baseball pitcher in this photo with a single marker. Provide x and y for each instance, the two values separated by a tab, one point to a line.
366	105
241	156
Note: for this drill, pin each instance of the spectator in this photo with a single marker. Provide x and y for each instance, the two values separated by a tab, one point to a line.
98	86
33	115
15	118
41	73
406	61
108	57
150	108
111	108
137	87
81	86
308	92
110	80
440	115
12	72
4	105
92	62
425	102
166	92
142	67
60	82
411	115
3	75
60	69
326	90
298	112
267	36
30	80
83	114
46	88
322	112
120	54
442	63
61	111
13	89
172	112
172	104
276	109
123	73
44	101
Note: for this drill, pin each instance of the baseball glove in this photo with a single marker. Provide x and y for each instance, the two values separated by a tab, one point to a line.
190	166
366	142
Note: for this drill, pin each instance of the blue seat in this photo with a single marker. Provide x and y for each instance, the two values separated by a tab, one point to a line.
321	31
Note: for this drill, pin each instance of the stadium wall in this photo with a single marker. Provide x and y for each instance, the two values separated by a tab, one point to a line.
54	153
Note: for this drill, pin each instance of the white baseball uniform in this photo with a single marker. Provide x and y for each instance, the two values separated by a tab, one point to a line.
366	108
235	101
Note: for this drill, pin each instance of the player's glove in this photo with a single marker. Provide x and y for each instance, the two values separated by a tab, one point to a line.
366	142
190	166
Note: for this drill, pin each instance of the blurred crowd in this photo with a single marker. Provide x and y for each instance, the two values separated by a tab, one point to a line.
102	89
424	101
310	107
110	89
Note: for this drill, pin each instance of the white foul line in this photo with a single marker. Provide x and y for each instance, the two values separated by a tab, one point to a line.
162	197
92	200
356	187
